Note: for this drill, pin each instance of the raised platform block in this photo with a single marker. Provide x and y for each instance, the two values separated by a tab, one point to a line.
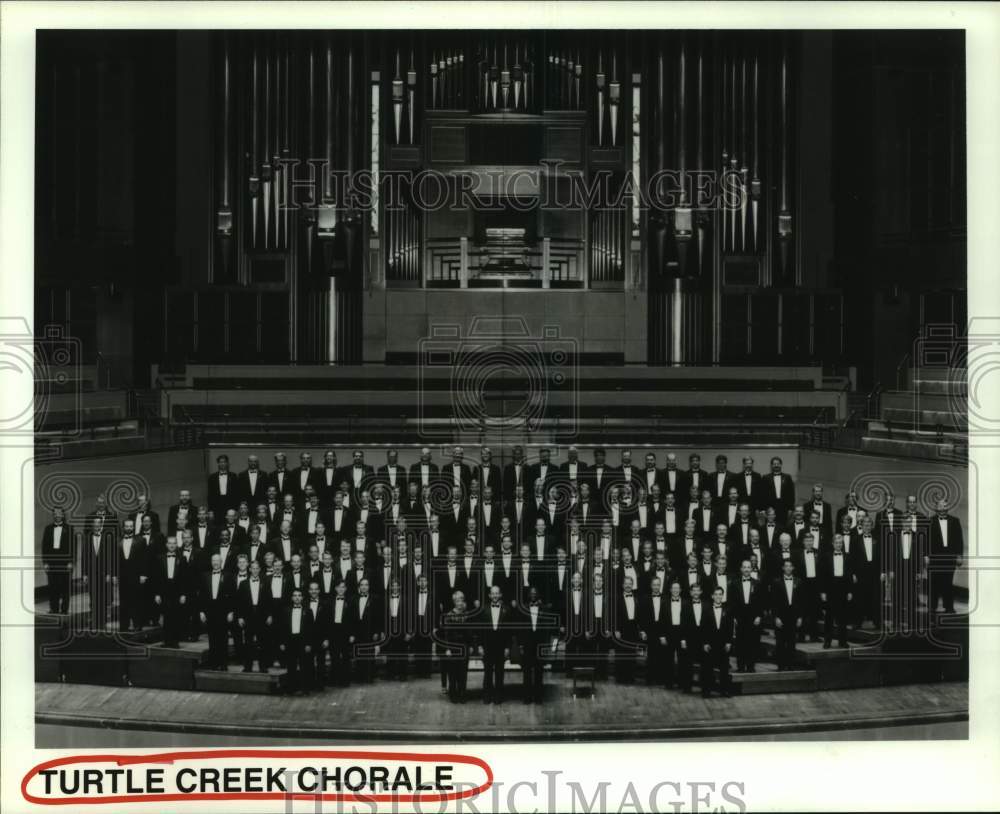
166	667
769	679
235	680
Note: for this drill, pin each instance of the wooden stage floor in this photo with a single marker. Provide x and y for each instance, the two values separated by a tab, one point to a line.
417	711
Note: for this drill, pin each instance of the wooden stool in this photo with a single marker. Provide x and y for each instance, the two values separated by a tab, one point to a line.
583	681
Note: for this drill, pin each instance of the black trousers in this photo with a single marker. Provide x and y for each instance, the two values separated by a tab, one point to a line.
252	644
747	642
868	596
784	638
341	651
99	589
656	660
173	619
837	613
397	654
941	576
421	646
58	577
533	674
298	663
811	607
715	658
218	639
493	662
131	612
457	672
905	593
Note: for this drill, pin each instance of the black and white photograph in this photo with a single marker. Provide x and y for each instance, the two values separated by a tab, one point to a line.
547	382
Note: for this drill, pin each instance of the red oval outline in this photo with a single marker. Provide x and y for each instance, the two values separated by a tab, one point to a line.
207	754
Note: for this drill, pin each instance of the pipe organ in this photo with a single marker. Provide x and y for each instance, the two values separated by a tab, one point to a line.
660	165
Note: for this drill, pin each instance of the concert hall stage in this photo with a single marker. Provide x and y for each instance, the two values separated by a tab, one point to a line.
417	711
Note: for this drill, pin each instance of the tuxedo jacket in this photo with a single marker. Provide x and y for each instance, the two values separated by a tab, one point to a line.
956	544
788	612
512	478
277	545
307	626
96	565
367	622
740	607
365	479
776	560
693	630
137	562
153	517
162	585
719	633
278	599
535	472
416	475
223	601
229	565
581	472
494	479
674	484
827	521
192	514
755	495
720	496
385	477
447	477
769	494
218	502
830	582
655	628
63	556
500	638
257	493
285	481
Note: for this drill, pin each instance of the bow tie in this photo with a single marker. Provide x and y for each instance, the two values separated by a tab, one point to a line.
223	545
746	579
171	556
127	537
675	599
788	579
838	553
695	601
598	593
628	596
495	604
692	570
340	599
577	590
216	573
254	579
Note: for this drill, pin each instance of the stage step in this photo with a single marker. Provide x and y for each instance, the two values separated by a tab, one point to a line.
769	679
235	680
166	667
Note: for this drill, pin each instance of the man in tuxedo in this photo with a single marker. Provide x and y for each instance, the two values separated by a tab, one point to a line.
424	623
488	473
574	471
252	483
488	520
311	516
366	616
396	638
837	580
746	601
515	474
601	606
182	508
543	542
811	587
254	618
739	530
130	575
778	491
814	529
693	635
170	583
653	628
58	555
717	642
849	509
223	490
626	622
869	575
705	517
757	552
216	613
600	476
822	508
535	631
144	509
456	636
341	633
391	473
947	548
626	473
296	638
786	605
575	624
672	479
676	664
888	520
749	485
284	545
493	621
98	564
542	472
280	478
908	551
359	475
720	481
302	477
424	472
457	474
770	529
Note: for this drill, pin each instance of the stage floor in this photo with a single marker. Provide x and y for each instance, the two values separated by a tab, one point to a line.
417	711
